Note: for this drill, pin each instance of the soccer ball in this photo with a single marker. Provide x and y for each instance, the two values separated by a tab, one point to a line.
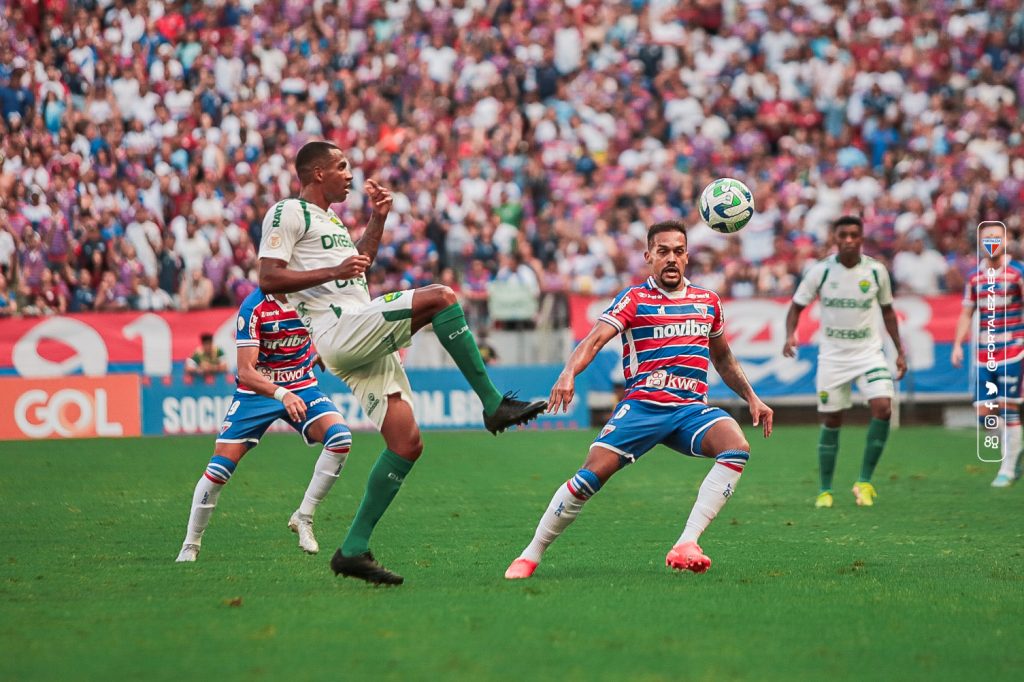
726	205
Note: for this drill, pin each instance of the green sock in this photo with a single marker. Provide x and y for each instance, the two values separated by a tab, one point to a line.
878	433
453	333
385	479
828	450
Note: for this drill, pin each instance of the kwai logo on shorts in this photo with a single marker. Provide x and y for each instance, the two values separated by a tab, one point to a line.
823	397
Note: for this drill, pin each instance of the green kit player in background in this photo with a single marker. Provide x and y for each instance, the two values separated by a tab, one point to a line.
851	287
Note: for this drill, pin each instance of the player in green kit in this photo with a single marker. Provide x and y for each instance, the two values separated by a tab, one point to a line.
852	287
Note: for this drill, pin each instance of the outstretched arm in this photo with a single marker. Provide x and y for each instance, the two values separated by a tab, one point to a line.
728	367
565	387
963	325
792	319
250	377
276	278
380	199
892	326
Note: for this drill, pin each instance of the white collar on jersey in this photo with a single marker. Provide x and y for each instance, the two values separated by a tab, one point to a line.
281	300
653	283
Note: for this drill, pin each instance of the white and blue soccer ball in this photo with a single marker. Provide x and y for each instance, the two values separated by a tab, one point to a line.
726	205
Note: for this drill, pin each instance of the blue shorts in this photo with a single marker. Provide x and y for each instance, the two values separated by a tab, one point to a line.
636	427
1005	379
250	415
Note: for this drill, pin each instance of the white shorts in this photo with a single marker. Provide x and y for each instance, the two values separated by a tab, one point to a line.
361	350
363	335
373	382
835	380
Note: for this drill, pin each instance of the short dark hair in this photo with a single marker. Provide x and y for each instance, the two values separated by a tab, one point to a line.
664	226
311	155
205	336
848	220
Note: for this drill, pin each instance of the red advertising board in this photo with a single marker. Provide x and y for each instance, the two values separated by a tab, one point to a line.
71	407
95	344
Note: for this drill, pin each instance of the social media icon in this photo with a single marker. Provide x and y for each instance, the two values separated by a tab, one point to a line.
990	388
991	421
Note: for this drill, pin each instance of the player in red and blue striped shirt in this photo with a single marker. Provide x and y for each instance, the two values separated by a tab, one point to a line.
671	330
275	381
996	290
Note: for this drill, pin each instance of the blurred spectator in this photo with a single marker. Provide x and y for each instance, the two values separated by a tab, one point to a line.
8	301
919	269
110	297
207	360
83	297
196	291
8	248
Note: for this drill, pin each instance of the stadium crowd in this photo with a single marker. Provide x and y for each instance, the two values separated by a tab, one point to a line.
527	142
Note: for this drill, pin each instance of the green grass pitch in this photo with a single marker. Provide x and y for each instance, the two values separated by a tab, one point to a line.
927	585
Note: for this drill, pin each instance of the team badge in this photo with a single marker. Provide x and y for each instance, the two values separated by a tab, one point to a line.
992	245
608	428
274	240
864	285
701	308
241	323
225	426
823	397
388	298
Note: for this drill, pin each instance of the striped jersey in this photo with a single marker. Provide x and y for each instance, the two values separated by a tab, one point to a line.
998	294
286	352
665	336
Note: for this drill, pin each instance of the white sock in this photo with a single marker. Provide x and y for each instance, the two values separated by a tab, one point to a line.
203	502
715	491
560	513
1011	451
326	471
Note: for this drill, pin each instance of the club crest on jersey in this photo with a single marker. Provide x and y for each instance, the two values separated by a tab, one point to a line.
274	240
864	285
241	323
991	245
701	308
